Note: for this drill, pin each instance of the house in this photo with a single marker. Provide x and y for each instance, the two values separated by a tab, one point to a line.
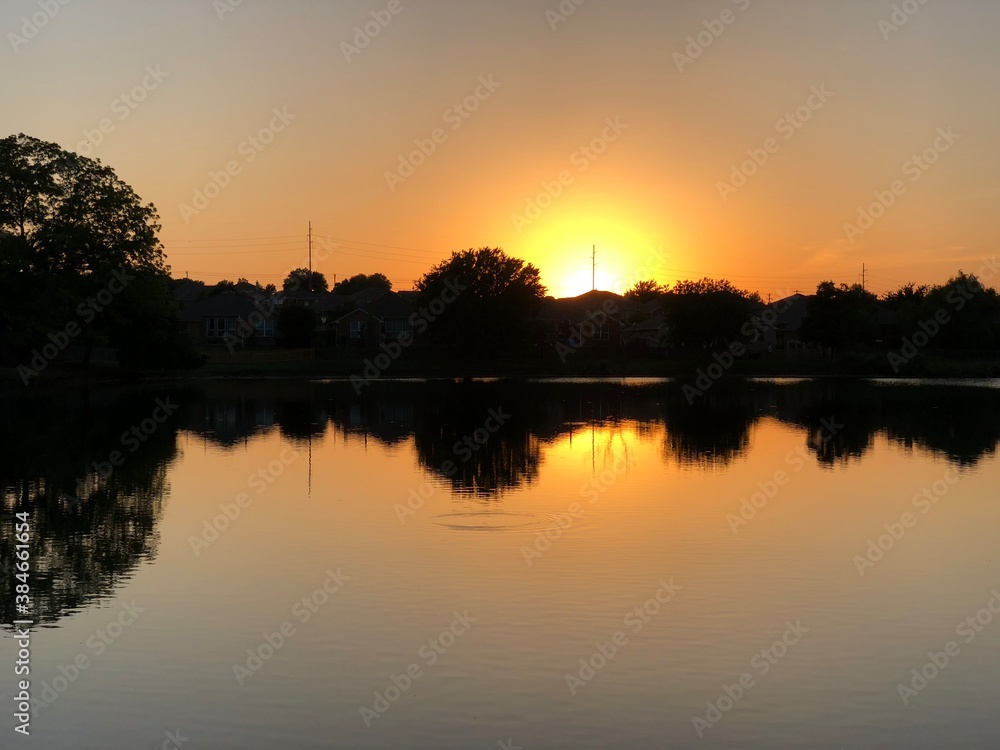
188	292
589	321
652	333
228	319
384	317
359	328
791	312
395	310
298	298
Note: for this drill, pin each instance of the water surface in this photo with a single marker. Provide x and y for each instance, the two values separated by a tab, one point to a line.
443	555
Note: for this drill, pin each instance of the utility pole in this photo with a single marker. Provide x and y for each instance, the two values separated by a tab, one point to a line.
864	276
593	270
310	253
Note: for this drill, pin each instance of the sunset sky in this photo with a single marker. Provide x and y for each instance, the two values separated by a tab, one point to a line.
597	127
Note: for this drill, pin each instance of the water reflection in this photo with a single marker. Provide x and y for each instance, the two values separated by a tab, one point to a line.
92	527
93	521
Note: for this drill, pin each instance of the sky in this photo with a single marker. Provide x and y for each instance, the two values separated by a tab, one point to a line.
776	143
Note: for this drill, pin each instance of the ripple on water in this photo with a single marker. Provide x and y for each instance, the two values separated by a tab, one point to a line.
500	521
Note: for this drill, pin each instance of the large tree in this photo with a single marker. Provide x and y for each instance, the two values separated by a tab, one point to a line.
841	317
492	300
72	232
361	282
306	280
708	314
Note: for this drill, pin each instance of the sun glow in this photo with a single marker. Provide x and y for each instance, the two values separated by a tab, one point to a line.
563	247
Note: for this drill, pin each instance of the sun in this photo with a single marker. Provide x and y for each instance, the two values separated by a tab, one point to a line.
583	250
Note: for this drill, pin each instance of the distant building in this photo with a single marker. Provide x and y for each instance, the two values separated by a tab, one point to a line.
228	318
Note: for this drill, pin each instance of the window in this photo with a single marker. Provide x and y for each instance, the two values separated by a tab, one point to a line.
359	329
603	333
264	329
215	328
396	327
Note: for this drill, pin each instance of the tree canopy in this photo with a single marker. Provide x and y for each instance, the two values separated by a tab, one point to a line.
646	291
79	249
303	278
709	313
841	317
361	282
495	309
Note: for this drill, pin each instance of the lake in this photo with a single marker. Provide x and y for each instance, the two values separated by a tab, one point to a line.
482	565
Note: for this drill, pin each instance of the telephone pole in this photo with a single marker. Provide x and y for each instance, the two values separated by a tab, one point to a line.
593	270
864	276
310	253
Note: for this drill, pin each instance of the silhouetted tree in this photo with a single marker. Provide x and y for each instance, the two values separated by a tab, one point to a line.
972	310
222	287
302	278
646	291
709	313
361	281
492	300
73	232
841	317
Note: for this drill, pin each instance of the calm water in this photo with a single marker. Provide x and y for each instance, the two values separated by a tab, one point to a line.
482	565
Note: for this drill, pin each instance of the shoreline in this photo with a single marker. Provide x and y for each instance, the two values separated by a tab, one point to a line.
707	370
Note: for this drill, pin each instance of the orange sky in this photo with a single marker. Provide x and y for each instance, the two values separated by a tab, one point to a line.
650	190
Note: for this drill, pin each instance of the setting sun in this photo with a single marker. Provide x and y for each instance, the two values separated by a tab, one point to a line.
563	246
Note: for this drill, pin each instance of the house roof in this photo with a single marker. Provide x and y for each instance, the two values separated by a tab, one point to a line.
332	302
366	296
356	311
189	290
577	308
225	305
793	312
394	305
655	323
